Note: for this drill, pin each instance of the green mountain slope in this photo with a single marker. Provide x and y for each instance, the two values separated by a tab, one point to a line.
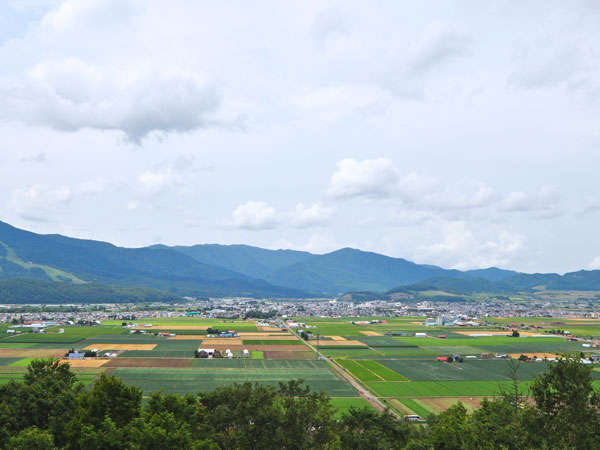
340	271
254	262
52	257
40	291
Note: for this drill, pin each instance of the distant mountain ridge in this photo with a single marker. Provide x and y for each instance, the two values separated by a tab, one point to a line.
329	274
240	270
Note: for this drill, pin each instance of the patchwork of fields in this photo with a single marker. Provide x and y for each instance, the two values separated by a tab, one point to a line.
385	358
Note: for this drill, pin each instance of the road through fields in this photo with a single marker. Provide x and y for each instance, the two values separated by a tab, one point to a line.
340	371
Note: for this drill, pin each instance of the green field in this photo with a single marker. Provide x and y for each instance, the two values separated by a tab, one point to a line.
415	406
185	381
382	371
6	376
359	371
476	370
222	324
8	361
344	404
71	334
441	388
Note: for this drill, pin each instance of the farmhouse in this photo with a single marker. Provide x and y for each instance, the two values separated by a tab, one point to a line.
209	352
76	355
442	358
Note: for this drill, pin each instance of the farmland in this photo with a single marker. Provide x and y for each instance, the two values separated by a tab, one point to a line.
386	359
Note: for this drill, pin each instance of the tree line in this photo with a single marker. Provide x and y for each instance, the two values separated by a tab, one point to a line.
50	409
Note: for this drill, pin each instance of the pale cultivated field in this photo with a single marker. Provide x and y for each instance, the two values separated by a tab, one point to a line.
102	347
32	352
337	338
269	328
371	333
86	362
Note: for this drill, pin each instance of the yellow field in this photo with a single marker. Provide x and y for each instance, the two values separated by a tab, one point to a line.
32	352
86	362
269	328
337	338
371	333
102	347
531	355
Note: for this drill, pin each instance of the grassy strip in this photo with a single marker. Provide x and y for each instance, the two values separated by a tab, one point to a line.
443	388
384	372
360	372
344	404
269	342
416	406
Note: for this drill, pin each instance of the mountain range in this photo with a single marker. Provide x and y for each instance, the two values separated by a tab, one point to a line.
241	270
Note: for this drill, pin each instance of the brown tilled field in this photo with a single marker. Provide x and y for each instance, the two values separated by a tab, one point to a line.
175	363
102	347
288	355
274	348
32	352
439	404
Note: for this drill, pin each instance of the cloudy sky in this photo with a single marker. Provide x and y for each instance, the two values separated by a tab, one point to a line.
464	134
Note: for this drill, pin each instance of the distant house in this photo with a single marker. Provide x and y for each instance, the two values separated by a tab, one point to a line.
485	355
76	355
441	336
209	352
595	357
420	334
442	358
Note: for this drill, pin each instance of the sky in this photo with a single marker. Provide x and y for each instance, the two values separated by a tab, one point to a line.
463	134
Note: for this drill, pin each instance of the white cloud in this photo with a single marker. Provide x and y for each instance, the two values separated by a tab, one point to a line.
461	249
71	95
83	13
372	178
594	264
254	216
315	215
438	45
38	203
165	176
544	204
